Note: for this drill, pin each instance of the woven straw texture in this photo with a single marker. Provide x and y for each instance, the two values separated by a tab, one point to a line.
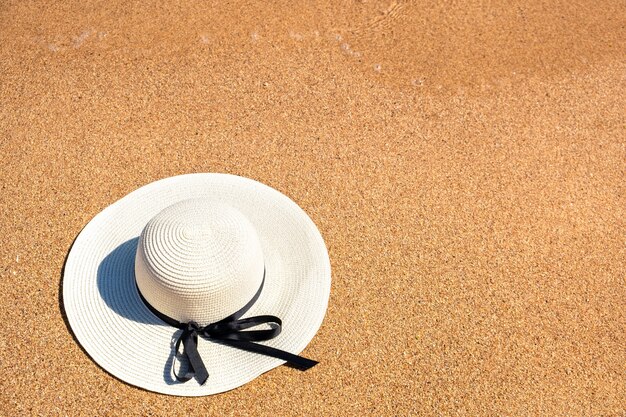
126	339
199	260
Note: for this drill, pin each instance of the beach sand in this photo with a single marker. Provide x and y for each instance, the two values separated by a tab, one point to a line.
464	161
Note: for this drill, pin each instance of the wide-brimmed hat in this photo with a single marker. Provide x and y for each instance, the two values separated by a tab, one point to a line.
197	284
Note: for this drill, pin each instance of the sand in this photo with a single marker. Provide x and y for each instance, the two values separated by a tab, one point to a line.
464	162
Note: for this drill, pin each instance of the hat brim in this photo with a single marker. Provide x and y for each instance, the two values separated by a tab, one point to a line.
120	333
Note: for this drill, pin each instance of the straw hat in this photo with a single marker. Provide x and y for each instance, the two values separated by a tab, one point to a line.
197	284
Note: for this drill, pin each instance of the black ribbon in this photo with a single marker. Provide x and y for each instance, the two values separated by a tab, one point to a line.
230	331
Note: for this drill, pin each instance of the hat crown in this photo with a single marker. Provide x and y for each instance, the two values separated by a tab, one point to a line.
199	260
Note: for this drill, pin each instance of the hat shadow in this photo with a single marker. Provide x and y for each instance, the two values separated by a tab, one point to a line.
116	281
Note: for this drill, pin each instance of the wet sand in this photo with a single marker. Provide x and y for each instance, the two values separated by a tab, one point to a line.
463	161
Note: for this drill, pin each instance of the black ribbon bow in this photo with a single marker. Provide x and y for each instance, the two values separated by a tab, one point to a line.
230	331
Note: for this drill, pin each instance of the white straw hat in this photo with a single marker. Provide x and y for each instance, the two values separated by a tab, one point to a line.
156	285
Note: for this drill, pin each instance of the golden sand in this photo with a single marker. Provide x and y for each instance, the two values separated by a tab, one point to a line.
464	162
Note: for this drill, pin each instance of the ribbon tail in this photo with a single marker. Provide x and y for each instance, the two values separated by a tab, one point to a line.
296	361
190	345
